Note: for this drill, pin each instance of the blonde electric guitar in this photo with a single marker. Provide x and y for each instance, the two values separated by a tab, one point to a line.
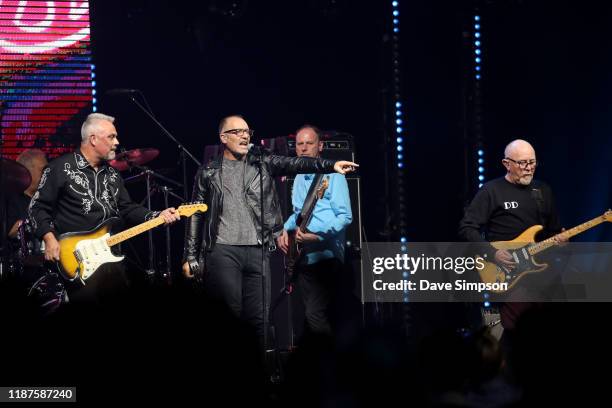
523	248
82	253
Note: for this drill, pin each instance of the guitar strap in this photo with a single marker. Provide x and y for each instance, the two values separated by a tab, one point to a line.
310	196
536	194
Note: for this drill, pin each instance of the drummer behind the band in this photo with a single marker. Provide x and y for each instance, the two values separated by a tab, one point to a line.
35	161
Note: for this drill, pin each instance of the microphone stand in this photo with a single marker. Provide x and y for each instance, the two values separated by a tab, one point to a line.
168	274
259	154
148	173
184	152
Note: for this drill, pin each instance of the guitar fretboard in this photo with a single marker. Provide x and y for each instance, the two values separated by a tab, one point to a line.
547	243
132	232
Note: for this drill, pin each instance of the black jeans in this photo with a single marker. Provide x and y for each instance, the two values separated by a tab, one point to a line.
321	287
233	276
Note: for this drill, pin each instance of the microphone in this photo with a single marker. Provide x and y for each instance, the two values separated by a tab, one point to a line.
121	91
254	149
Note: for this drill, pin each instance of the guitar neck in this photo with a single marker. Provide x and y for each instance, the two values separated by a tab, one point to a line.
308	216
132	232
547	243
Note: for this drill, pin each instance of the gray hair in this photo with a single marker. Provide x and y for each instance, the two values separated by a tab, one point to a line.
91	122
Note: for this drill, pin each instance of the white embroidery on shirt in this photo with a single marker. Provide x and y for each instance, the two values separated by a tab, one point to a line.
41	184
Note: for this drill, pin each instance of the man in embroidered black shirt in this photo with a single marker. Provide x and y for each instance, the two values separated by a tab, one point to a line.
79	191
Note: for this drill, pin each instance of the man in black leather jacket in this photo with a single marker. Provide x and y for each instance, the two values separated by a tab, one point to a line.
223	245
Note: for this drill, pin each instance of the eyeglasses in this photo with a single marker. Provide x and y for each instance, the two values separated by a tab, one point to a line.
523	164
239	132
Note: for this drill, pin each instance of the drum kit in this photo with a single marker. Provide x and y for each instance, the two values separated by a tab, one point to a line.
22	257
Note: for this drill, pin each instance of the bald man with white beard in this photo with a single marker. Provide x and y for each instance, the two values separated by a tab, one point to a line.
503	208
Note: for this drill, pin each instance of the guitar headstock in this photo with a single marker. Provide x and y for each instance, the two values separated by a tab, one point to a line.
187	210
322	187
608	216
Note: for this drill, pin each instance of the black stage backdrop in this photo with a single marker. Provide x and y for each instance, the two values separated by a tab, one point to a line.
546	79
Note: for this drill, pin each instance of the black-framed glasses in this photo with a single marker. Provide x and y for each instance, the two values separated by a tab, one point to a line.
240	132
523	164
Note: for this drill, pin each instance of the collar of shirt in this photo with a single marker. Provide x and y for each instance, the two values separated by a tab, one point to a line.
82	162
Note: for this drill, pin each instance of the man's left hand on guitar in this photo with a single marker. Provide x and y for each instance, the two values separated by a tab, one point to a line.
170	215
561	239
306	237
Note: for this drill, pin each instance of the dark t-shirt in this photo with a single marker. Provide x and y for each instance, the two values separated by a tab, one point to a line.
501	211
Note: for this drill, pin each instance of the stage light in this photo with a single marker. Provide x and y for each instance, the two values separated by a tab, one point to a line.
476	18
481	169
481	152
398	121
480	161
481	177
477	34
400	148
400	157
400	140
395	13
399	129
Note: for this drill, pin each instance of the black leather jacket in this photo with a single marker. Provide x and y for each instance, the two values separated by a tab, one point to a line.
201	228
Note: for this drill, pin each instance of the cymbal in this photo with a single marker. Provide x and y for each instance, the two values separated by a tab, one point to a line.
138	157
14	177
166	171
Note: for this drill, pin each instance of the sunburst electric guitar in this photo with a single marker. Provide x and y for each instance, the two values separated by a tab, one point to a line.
82	253
523	248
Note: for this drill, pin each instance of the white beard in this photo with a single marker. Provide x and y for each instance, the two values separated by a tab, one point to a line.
525	180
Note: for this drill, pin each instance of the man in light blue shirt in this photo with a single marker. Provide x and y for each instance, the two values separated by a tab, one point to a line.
321	263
